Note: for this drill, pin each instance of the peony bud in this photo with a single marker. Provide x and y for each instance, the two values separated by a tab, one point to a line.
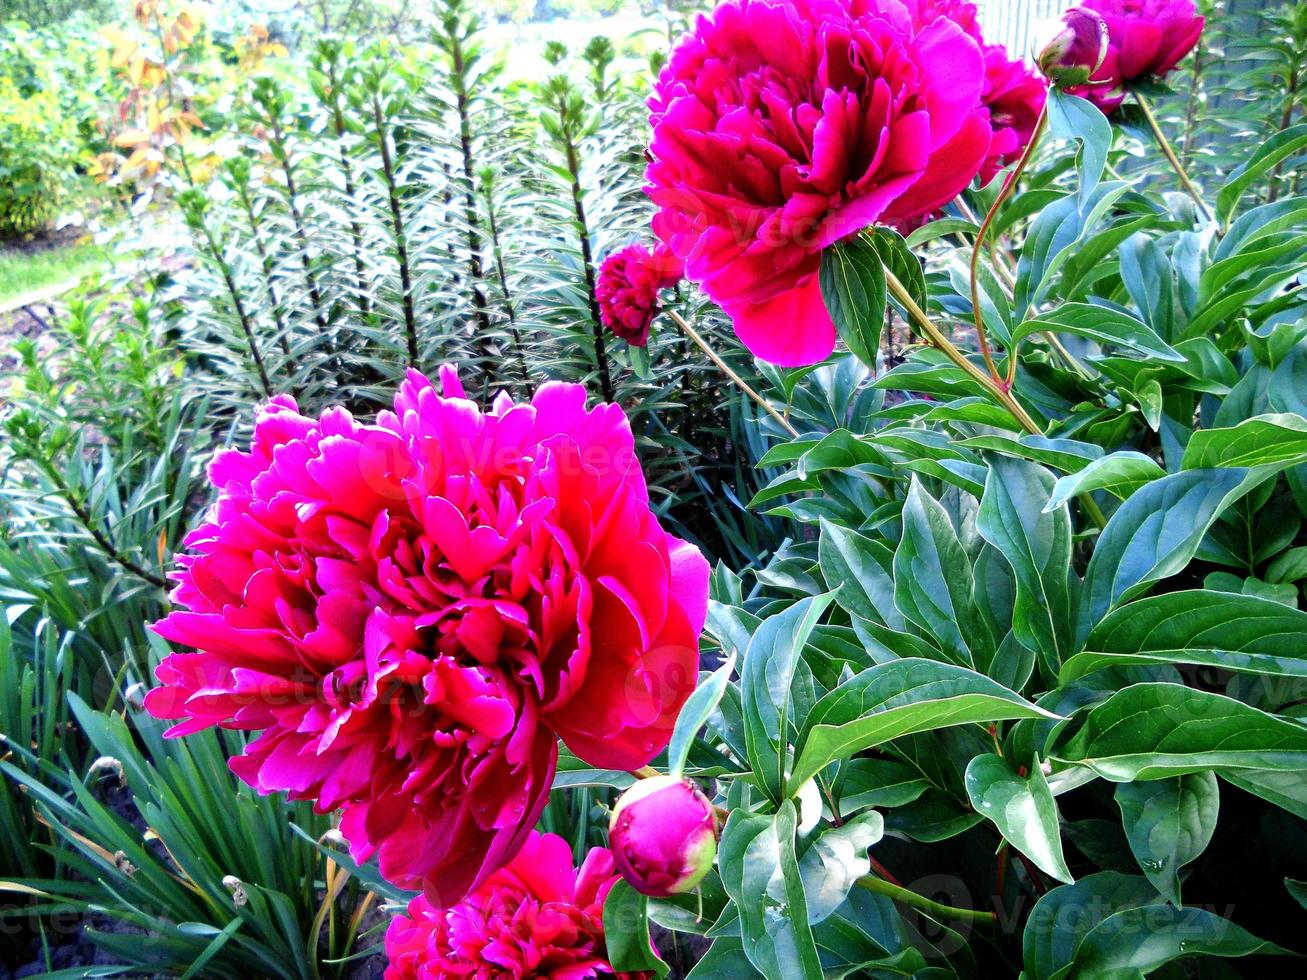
1078	49
663	835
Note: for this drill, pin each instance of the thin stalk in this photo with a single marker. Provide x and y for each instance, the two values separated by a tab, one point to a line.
106	545
1286	117
351	195
297	223
401	240
241	314
1191	108
587	253
1165	146
998	392
462	102
923	904
978	248
510	308
735	378
265	260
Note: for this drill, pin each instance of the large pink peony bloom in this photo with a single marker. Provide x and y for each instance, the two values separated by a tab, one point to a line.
782	126
627	290
1145	38
539	917
414	611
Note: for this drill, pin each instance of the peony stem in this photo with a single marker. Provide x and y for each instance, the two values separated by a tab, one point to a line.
1000	393
726	370
979	247
910	898
936	336
1165	146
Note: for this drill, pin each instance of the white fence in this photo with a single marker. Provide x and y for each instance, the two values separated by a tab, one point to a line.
1019	25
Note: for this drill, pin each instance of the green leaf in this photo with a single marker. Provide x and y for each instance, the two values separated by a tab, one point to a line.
1061	919
859	568
1136	941
1169	822
1022	808
626	931
760	872
1071	117
1287	790
725	958
878	782
1266	440
898	698
1103	325
1037	544
933	581
694	715
852	283
902	262
1152	731
1156	532
1279	147
1120	474
1242	633
765	681
1053	237
835	860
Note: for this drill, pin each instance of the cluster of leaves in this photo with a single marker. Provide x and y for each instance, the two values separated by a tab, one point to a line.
1026	694
45	107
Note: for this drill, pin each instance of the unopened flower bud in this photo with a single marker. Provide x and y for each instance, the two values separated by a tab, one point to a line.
1077	50
663	835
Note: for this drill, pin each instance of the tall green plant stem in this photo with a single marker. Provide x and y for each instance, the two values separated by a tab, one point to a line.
910	898
462	103
351	194
397	225
730	373
265	262
978	248
587	252
998	392
1165	146
281	150
497	248
241	314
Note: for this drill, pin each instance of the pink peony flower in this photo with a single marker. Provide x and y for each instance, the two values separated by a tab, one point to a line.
539	917
1014	96
782	126
663	833
414	611
1146	38
628	286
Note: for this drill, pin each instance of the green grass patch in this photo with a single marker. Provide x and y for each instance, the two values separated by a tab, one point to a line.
23	272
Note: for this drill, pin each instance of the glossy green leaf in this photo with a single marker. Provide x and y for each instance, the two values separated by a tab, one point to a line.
701	703
1274	440
761	874
1120	474
626	931
1216	629
1152	731
1022	808
859	568
835	860
1037	544
1136	941
1103	325
1278	148
1169	822
1061	919
895	699
765	681
852	283
933	581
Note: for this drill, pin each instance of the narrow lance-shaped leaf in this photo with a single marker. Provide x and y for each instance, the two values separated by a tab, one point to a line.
1169	822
